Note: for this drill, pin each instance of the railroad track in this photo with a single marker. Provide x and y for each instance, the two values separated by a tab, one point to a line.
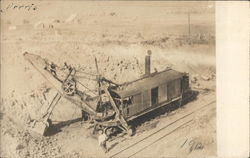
155	136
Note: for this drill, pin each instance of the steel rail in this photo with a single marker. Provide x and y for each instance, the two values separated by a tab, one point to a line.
164	127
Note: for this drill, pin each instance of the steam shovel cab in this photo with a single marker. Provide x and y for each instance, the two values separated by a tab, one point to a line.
151	92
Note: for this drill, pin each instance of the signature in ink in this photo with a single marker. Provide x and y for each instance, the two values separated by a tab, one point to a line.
13	6
192	145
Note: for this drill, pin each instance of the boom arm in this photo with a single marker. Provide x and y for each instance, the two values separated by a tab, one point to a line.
40	65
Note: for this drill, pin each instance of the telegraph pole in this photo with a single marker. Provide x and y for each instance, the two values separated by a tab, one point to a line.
189	24
189	32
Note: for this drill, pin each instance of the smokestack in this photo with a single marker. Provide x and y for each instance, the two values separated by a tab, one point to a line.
147	63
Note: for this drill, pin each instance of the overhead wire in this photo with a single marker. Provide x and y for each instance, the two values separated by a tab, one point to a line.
87	87
86	73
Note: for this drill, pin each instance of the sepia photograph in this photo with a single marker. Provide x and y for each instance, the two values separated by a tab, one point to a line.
108	79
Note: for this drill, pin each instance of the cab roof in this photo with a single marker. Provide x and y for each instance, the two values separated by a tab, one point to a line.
147	82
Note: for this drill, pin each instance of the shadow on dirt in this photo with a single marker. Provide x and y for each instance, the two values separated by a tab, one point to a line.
1	115
56	128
